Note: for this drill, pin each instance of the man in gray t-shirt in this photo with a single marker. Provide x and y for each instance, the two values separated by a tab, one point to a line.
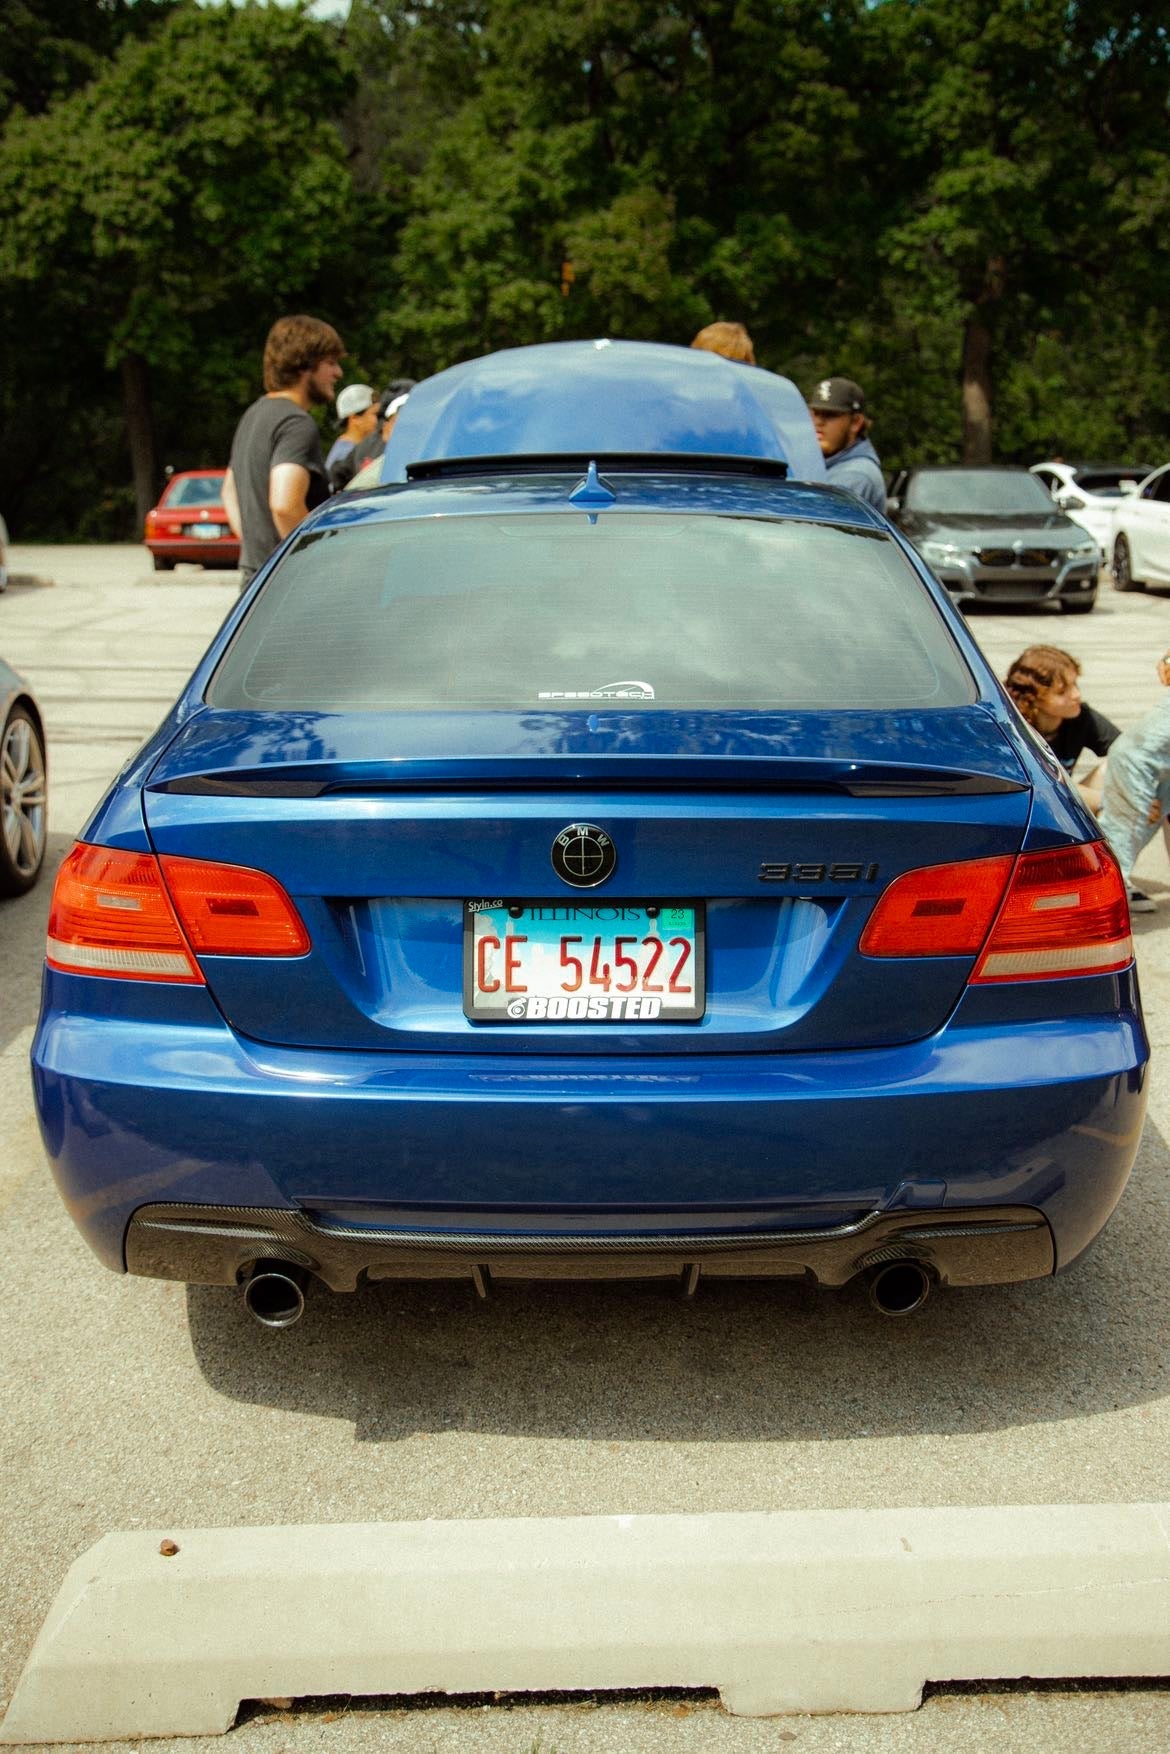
277	472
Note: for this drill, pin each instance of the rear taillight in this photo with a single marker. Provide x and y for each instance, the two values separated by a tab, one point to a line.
941	910
1065	913
135	917
111	915
1041	916
231	910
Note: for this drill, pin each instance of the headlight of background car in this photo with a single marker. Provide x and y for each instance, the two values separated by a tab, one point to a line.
941	553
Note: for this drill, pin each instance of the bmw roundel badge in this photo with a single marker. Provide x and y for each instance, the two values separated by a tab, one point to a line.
583	855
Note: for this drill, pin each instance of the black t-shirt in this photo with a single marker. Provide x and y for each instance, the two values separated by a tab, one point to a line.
273	430
1089	730
345	468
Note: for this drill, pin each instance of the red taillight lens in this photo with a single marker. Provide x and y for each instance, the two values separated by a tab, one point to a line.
1041	916
135	917
1065	913
942	910
230	910
111	915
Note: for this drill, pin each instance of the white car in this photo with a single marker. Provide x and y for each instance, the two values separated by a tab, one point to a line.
1091	492
1140	550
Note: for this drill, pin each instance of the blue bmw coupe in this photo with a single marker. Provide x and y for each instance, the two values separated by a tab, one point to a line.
591	864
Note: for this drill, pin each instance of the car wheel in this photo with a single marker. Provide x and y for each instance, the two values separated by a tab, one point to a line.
1123	579
161	565
23	803
1079	605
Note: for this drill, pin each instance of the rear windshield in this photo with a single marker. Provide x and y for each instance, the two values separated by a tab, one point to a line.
551	611
197	490
978	491
1106	483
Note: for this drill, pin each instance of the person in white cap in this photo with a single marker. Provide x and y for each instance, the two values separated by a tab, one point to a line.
391	400
357	409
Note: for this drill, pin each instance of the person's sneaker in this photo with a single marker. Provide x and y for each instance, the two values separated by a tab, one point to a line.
1140	902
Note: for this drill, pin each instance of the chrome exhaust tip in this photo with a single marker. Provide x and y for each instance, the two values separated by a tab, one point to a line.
900	1288
274	1294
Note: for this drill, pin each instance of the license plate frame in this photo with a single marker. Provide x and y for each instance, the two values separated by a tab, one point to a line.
546	1000
205	532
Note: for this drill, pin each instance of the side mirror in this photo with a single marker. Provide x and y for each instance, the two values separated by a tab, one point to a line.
1128	487
1068	502
893	504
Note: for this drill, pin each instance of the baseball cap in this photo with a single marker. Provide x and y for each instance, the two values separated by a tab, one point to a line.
396	392
354	399
837	396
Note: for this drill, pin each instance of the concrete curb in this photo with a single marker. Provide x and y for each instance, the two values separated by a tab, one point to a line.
782	1612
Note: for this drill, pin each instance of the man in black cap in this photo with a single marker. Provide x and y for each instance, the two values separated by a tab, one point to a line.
837	406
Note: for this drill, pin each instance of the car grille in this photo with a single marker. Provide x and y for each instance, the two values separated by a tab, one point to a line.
1028	557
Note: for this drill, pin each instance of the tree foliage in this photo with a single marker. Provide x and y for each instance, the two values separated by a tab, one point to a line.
965	204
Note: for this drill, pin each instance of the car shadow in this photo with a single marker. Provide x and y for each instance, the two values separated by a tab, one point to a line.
740	1363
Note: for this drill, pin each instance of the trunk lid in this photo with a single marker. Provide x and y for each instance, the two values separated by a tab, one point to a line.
783	828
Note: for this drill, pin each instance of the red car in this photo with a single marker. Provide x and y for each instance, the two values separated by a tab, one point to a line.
190	523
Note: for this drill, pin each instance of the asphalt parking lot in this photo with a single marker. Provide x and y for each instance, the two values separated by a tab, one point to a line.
130	1404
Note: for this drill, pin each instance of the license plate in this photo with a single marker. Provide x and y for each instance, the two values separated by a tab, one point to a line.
203	531
564	962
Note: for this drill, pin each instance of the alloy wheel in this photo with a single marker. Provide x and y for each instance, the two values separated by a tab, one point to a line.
23	795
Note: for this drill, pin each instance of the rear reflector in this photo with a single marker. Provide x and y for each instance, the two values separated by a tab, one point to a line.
136	917
111	915
231	910
1041	916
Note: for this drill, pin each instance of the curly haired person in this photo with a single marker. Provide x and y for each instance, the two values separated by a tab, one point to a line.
1044	684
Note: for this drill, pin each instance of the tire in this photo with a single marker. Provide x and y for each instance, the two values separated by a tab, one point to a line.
1123	579
161	565
1079	605
23	802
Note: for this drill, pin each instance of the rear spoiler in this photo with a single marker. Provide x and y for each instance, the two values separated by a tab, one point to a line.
612	463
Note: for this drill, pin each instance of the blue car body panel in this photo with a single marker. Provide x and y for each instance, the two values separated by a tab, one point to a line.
604	396
348	1086
680	1140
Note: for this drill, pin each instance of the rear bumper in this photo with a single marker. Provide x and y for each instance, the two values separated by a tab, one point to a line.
211	551
216	1246
626	1161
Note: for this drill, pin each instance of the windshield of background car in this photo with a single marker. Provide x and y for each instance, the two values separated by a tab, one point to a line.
537	611
1106	484
986	492
197	490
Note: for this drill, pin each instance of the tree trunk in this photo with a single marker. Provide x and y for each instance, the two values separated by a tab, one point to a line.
139	431
977	390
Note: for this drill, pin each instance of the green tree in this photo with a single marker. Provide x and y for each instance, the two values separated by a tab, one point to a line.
198	185
1022	123
683	161
48	51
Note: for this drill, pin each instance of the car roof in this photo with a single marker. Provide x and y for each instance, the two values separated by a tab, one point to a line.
657	485
966	469
1135	469
604	396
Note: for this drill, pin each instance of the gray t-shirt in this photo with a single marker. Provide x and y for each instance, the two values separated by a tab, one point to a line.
273	430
